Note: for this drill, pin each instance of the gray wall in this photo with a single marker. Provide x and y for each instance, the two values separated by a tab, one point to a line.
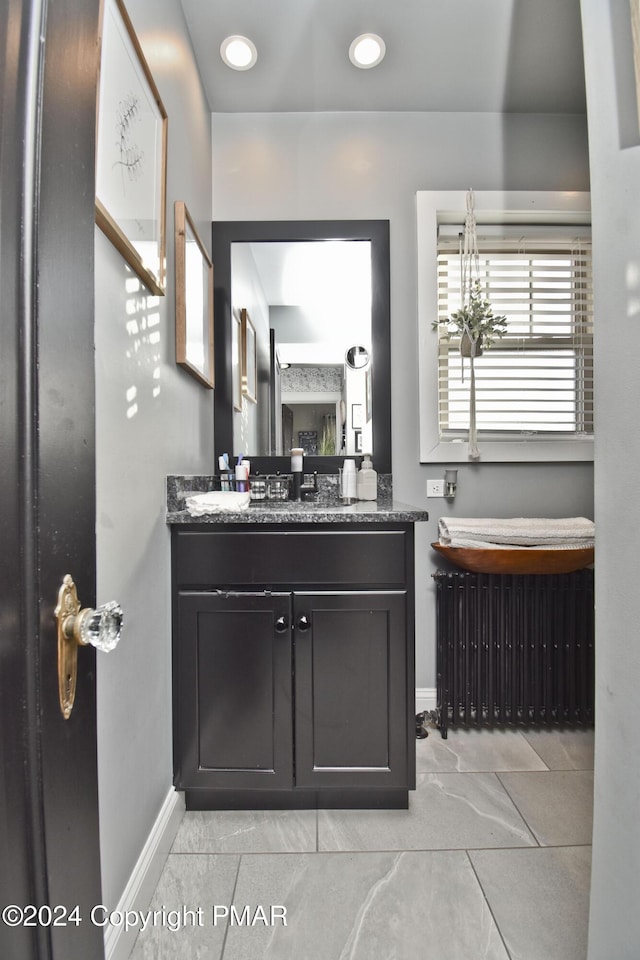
152	419
368	165
614	145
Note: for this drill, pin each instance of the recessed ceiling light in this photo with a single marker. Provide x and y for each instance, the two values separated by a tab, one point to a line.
238	52
367	50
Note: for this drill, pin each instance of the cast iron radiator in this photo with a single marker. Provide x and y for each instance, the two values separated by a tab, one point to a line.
514	649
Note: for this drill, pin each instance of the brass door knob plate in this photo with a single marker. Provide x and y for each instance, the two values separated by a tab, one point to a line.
101	628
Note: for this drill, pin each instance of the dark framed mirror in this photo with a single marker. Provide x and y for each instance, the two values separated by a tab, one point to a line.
238	243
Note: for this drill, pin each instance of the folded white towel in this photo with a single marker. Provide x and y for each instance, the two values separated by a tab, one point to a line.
488	545
217	502
517	531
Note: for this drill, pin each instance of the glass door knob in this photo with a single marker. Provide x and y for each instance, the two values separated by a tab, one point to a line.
101	627
78	627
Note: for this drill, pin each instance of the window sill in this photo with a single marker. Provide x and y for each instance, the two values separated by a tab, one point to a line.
512	451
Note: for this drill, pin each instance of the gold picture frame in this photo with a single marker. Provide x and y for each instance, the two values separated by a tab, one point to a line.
131	151
194	300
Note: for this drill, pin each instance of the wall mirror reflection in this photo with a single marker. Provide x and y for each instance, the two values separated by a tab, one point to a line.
357	357
318	297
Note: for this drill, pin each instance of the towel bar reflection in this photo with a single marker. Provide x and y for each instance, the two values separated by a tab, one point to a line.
101	628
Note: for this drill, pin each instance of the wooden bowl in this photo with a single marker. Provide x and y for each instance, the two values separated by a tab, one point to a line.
530	560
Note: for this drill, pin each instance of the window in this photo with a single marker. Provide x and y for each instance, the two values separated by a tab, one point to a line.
537	380
535	386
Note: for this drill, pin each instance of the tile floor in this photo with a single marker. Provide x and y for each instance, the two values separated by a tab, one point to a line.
490	862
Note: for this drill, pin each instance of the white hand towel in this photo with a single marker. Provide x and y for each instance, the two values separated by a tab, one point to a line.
223	502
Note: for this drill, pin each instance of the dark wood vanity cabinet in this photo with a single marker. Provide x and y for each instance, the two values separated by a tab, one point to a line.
293	666
233	698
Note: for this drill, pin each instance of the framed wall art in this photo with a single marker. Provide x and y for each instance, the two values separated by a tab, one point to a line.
236	359
249	358
635	33
131	154
194	299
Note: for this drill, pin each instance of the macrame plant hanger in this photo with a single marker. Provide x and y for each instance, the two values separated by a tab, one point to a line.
470	276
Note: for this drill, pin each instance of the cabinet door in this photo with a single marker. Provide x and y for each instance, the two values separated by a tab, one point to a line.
233	691
351	710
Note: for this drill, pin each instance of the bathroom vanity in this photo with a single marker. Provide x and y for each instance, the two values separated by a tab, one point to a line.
293	656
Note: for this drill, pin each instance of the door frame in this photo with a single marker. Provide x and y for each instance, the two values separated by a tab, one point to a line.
49	797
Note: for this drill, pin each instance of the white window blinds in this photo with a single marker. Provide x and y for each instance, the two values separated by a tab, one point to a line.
537	381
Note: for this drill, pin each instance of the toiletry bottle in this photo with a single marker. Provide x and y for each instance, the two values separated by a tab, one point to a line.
349	484
242	476
367	480
297	457
225	472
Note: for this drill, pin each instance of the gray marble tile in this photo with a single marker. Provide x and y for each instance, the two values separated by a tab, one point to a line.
539	898
476	750
557	805
184	898
563	749
246	831
366	906
447	811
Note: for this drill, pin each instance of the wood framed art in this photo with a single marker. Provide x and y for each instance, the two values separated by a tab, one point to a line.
131	154
635	33
236	359
249	358
194	299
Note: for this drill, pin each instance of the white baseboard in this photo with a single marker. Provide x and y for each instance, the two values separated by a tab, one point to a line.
143	881
425	699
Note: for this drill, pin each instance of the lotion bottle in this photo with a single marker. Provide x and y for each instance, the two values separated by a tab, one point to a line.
367	480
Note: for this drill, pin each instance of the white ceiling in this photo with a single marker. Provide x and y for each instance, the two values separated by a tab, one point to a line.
441	55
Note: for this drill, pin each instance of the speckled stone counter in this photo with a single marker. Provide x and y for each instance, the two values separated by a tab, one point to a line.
383	510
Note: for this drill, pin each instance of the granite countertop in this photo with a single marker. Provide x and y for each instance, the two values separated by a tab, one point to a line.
386	511
326	508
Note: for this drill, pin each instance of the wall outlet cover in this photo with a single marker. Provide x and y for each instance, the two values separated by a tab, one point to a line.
435	488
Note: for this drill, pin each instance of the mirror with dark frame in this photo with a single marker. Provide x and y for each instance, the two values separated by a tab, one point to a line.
358	398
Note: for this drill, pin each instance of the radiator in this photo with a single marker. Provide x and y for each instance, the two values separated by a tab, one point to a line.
514	649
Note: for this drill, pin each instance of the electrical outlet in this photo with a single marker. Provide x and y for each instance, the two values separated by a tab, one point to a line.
435	488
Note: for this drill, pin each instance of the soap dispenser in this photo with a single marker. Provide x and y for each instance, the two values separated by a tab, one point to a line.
367	480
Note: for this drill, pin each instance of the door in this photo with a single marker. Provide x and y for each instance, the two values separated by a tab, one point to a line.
232	657
351	689
48	791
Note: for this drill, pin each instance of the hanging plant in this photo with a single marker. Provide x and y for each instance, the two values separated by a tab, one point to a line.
475	322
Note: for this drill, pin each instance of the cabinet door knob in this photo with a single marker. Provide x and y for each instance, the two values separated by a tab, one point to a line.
281	625
303	622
